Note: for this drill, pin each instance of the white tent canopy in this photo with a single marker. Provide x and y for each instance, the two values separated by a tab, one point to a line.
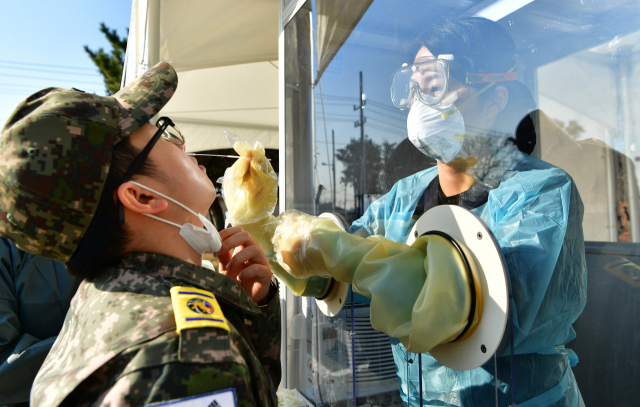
226	55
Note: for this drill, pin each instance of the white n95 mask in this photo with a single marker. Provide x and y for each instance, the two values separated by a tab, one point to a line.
436	131
202	240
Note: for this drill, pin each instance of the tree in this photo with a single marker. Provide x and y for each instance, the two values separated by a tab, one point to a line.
387	149
351	158
110	65
573	128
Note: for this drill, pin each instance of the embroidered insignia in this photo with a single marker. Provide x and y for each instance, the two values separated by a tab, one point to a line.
196	308
200	306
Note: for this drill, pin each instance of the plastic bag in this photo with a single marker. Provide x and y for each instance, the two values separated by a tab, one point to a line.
291	398
290	240
250	185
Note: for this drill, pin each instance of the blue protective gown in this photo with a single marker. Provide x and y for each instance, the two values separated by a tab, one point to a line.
535	214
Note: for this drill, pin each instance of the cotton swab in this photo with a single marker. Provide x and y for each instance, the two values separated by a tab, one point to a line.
218	155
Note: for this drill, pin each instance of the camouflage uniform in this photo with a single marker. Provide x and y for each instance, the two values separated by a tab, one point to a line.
119	343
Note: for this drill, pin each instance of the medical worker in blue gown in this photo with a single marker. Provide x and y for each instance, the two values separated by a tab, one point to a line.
465	103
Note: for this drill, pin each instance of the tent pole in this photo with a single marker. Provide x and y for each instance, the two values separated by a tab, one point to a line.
153	33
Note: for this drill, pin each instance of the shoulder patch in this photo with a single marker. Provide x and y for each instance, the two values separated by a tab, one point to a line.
196	308
224	398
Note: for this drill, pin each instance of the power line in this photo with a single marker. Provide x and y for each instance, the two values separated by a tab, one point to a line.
381	116
348	101
340	115
339	120
27	91
387	130
384	106
339	97
345	103
14	92
389	111
326	142
49	79
49	71
46	65
345	117
384	121
20	85
383	126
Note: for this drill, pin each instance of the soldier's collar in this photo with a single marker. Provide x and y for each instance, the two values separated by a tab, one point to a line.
176	272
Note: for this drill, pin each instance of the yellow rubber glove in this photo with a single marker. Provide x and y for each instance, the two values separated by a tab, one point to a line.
419	294
262	231
250	185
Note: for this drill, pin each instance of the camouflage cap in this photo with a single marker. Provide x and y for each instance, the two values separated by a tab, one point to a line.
55	153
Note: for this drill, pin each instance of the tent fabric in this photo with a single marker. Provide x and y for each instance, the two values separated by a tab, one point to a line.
223	52
242	99
336	21
203	33
209	136
226	56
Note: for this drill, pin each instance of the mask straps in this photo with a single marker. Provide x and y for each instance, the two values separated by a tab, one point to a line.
162	220
486	88
166	197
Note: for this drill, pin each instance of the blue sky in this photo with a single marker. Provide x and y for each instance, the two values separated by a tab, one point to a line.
42	45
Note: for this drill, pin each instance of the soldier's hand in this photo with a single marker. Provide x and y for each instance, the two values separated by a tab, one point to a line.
242	259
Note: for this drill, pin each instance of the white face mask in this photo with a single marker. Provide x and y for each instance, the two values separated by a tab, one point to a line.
202	240
432	133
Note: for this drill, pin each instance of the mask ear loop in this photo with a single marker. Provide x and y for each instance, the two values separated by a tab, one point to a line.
166	197
163	220
486	88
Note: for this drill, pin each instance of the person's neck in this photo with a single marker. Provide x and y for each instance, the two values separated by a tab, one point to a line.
153	236
453	181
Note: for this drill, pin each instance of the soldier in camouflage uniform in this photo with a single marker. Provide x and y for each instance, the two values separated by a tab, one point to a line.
148	324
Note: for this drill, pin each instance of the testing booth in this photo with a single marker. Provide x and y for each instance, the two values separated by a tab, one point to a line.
314	79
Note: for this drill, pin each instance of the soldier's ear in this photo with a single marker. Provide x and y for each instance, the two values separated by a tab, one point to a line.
140	200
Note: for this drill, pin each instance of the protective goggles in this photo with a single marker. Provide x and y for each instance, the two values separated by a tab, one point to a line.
167	130
427	80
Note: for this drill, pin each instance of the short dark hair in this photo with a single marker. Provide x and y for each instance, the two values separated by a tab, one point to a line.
479	46
104	242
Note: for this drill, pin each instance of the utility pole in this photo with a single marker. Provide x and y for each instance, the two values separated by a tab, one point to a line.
344	208
355	193
360	123
333	142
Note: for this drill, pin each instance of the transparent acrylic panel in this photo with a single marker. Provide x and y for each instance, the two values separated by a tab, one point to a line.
299	132
568	95
330	360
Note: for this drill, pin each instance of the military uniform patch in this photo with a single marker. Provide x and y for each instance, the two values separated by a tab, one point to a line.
225	398
196	308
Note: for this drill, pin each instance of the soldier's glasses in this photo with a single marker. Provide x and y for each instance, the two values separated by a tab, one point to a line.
166	129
